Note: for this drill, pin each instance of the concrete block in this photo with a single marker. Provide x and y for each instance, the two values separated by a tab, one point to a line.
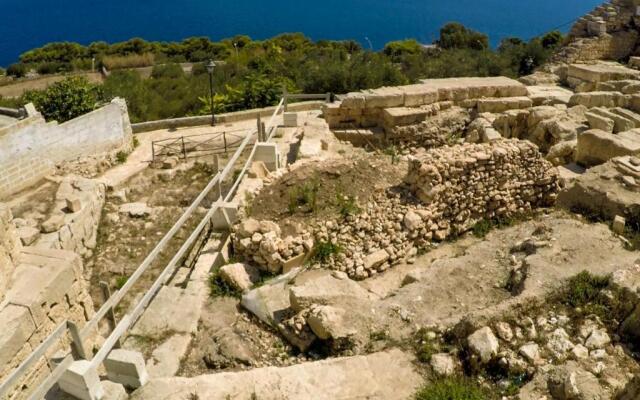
268	154
81	381
290	119
126	367
227	212
618	225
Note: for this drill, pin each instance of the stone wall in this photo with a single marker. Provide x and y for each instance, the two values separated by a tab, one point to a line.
465	184
30	149
73	223
42	289
455	188
9	248
387	107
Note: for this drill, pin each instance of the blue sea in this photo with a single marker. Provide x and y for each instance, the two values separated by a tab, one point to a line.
25	24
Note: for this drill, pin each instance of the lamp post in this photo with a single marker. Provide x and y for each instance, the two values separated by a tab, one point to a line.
210	66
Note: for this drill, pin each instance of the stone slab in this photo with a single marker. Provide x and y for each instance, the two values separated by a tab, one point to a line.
173	310
388	375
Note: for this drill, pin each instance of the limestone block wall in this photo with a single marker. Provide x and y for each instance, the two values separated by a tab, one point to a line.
78	227
9	248
47	288
464	184
30	149
375	108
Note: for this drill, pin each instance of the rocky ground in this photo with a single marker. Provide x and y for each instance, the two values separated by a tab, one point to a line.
135	218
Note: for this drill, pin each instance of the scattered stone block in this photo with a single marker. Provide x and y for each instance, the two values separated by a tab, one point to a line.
53	224
531	352
329	322
443	364
240	276
126	367
600	122
484	344
596	146
74	204
170	163
82	382
375	259
135	210
618	225
28	235
114	391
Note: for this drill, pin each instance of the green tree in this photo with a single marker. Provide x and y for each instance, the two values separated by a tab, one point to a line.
454	35
552	40
396	50
65	100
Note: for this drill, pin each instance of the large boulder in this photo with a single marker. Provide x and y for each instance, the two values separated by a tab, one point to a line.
596	147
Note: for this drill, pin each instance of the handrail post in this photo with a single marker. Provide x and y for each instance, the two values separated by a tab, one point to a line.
153	151
224	137
327	98
111	315
285	96
216	164
76	340
184	149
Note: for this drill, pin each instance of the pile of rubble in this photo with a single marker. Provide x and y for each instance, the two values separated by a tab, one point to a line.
465	184
261	243
457	187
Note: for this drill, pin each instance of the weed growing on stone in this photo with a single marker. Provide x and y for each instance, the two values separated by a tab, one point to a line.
324	250
304	196
219	288
136	142
121	157
454	388
392	151
121	281
347	205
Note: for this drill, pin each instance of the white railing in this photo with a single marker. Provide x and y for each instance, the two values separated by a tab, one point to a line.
78	337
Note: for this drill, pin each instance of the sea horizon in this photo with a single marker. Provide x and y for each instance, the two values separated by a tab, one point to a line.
372	23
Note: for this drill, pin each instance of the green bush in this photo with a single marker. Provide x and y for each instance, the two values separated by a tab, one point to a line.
456	388
304	196
121	157
584	288
17	70
65	100
456	36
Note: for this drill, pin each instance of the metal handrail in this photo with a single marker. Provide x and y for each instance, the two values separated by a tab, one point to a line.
78	337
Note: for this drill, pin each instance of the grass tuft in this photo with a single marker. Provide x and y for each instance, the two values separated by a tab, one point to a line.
454	388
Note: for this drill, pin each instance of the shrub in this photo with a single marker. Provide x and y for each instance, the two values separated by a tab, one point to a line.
347	205
53	67
128	61
65	100
457	36
323	251
304	196
456	388
17	70
121	157
584	288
